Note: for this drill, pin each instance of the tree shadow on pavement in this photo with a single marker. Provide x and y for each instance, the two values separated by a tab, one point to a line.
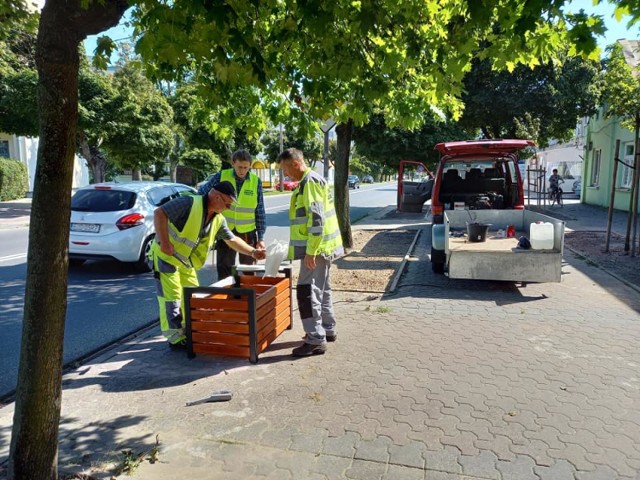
89	447
606	278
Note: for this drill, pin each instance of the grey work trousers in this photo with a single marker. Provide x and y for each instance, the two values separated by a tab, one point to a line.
314	301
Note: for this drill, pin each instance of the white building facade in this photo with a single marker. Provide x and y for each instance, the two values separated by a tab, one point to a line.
25	150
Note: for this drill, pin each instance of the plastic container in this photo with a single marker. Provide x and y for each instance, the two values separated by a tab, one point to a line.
437	236
477	232
541	235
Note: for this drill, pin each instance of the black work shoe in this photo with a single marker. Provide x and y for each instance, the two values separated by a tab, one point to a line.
180	345
306	350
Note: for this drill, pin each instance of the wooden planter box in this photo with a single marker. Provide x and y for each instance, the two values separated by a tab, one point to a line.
241	320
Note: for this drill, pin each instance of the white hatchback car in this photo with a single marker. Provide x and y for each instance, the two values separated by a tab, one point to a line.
115	220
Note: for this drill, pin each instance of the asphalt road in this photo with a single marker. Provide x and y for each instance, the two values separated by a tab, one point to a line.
107	300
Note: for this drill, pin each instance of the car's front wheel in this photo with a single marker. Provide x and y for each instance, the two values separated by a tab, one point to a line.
144	263
76	262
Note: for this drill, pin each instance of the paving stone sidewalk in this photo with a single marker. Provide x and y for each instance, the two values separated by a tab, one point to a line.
442	380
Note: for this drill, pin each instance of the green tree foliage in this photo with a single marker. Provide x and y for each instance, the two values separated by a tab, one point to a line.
18	103
311	147
14	181
16	17
97	108
386	146
621	88
202	161
551	94
19	81
348	59
621	91
140	134
199	124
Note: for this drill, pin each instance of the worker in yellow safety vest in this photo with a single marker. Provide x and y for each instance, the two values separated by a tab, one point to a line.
186	229
315	240
246	218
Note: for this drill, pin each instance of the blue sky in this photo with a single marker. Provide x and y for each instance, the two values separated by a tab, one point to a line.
615	30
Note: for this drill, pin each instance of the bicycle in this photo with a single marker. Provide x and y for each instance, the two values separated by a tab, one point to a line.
555	195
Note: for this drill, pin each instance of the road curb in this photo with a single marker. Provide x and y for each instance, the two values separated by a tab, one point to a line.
400	271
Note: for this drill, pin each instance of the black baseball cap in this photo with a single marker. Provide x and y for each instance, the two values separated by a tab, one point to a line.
226	188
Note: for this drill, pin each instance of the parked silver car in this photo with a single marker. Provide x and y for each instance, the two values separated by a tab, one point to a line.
115	220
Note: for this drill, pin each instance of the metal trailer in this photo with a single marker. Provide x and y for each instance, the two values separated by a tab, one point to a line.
498	258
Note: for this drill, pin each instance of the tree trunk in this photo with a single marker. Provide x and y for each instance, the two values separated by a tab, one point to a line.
633	211
341	189
35	427
136	174
95	159
34	441
632	193
173	168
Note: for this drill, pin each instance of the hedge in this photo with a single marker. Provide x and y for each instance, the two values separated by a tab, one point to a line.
14	180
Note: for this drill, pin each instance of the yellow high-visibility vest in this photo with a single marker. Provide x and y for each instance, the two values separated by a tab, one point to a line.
190	250
241	216
314	225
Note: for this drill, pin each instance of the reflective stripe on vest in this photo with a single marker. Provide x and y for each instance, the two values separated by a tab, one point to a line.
241	216
313	233
189	250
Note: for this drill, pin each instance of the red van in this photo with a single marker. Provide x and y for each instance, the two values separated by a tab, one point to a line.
476	175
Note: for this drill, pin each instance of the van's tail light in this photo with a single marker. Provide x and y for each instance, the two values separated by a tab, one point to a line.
131	220
437	210
518	207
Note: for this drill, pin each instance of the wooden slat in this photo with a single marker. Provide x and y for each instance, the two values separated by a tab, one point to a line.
282	297
220	338
203	327
211	349
259	289
271	323
240	305
283	286
213	296
246	281
264	309
273	309
265	297
283	307
220	316
268	340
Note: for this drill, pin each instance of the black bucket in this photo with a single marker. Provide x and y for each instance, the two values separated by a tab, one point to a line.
477	232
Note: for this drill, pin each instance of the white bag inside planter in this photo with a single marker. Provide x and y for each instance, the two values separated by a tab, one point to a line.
276	253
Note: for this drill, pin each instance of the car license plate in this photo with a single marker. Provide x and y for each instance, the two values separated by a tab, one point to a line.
85	227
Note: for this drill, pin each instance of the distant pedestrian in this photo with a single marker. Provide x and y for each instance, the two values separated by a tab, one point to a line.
186	229
246	218
315	240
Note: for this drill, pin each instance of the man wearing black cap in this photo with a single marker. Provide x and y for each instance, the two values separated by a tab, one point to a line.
186	230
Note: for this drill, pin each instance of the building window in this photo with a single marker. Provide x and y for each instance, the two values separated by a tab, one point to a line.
4	148
595	168
626	175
